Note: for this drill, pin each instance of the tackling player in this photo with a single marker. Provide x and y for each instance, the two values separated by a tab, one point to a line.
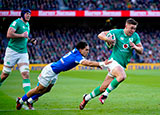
126	40
16	51
49	74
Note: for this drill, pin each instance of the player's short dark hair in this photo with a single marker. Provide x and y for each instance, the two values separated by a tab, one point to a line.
131	21
81	45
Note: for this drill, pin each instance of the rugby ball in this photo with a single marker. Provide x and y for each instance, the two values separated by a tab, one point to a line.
110	45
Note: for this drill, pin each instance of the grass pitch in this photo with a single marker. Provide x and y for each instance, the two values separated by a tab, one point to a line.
139	94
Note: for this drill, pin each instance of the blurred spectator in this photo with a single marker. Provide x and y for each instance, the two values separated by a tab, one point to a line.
54	43
31	4
80	4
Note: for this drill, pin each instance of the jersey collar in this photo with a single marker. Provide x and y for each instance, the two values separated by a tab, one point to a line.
124	34
23	22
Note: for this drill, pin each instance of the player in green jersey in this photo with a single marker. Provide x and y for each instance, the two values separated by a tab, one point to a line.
124	41
16	51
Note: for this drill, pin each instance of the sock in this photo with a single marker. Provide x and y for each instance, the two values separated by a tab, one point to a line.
26	85
93	94
111	87
23	99
33	98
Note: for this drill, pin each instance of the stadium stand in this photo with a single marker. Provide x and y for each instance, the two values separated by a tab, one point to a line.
80	4
57	36
112	4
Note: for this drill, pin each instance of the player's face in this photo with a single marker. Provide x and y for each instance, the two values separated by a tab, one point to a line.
27	16
130	29
85	51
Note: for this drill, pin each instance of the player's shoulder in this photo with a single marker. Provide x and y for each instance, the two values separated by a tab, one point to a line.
135	34
18	20
116	30
76	52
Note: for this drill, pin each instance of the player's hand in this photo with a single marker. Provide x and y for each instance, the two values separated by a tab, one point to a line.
32	40
111	39
104	64
133	46
25	34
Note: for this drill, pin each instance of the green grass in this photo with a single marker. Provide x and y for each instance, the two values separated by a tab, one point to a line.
139	94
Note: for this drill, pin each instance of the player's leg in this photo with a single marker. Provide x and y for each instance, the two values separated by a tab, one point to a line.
46	78
24	70
97	91
104	86
120	75
37	91
23	65
34	98
48	89
5	73
10	60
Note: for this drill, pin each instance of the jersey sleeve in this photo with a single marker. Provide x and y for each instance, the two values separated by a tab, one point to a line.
137	40
14	25
112	32
79	59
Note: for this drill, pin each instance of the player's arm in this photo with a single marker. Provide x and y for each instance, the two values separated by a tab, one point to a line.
95	64
138	48
107	38
103	36
11	33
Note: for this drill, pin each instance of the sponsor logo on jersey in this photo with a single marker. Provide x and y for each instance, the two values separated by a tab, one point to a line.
125	46
131	39
122	38
23	27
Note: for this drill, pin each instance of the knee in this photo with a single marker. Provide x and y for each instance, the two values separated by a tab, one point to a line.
5	74
39	91
25	75
6	71
121	78
48	90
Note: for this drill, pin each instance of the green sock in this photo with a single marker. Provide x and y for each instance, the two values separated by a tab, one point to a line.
95	92
26	85
111	87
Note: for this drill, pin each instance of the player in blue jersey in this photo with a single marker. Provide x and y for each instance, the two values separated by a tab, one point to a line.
49	74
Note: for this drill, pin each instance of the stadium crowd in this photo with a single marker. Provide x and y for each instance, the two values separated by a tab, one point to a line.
80	4
54	43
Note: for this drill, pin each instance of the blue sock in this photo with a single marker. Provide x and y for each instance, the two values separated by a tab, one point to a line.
25	98
36	96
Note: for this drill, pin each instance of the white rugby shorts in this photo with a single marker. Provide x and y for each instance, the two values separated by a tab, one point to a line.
47	76
112	65
12	57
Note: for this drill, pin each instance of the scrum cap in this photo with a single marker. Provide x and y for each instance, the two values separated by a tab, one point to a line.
23	13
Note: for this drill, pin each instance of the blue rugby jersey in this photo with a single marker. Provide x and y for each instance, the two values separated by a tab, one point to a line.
68	61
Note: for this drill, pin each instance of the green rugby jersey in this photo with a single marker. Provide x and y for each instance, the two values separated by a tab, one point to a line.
19	44
122	51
